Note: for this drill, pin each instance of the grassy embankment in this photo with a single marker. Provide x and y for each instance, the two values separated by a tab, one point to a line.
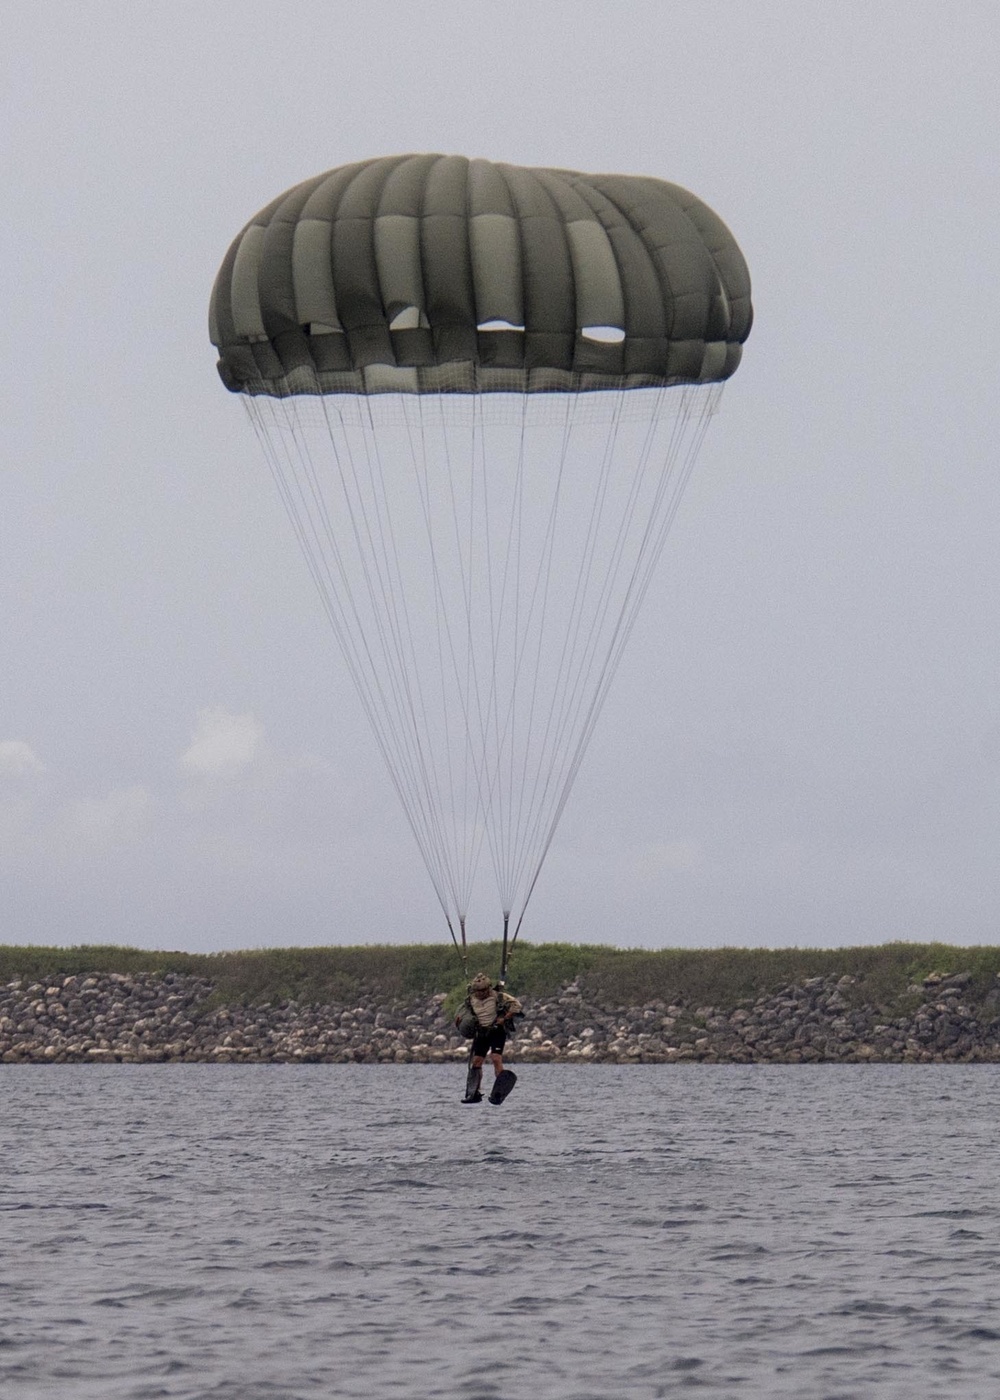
721	977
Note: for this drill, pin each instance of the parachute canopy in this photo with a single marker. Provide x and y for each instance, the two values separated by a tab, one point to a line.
430	273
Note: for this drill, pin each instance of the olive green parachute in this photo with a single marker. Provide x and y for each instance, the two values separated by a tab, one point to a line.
411	338
429	273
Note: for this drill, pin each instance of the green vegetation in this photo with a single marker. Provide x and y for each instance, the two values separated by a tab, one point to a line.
721	977
725	977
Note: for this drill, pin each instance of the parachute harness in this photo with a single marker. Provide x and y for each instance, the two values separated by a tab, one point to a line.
481	559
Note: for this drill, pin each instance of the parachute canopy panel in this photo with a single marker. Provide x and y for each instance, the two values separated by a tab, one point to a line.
438	274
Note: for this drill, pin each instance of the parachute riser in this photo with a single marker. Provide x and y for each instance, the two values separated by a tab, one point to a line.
505	952
460	948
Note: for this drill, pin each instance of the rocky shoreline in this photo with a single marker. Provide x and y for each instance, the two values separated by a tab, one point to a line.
143	1018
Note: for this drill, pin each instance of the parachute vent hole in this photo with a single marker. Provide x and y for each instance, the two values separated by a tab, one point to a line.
498	326
605	335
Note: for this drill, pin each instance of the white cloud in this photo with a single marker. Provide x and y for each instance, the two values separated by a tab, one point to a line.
18	759
223	744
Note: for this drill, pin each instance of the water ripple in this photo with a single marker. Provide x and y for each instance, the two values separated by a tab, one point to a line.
296	1232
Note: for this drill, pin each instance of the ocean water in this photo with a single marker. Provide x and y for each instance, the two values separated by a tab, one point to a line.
277	1232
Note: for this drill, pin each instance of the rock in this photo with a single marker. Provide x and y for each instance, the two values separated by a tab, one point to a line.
145	1019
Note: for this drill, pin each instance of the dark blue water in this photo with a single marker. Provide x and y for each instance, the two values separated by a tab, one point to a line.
276	1232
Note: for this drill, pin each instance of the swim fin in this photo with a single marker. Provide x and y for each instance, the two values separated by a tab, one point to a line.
502	1085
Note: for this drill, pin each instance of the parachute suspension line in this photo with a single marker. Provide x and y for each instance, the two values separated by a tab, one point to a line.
404	757
461	896
443	634
516	536
293	498
619	637
658	530
679	460
498	797
298	486
577	672
397	711
576	682
493	606
481	560
466	673
537	608
396	605
517	780
570	671
476	753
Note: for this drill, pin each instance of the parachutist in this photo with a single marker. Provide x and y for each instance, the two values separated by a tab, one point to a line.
491	1010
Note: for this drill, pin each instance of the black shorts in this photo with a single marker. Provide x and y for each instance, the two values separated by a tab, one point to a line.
489	1040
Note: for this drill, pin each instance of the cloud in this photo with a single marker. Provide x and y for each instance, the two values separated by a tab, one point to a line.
223	744
18	759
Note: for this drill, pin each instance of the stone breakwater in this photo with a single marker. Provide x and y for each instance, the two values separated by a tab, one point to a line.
144	1018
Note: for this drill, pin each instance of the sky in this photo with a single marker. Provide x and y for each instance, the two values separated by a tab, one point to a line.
803	743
